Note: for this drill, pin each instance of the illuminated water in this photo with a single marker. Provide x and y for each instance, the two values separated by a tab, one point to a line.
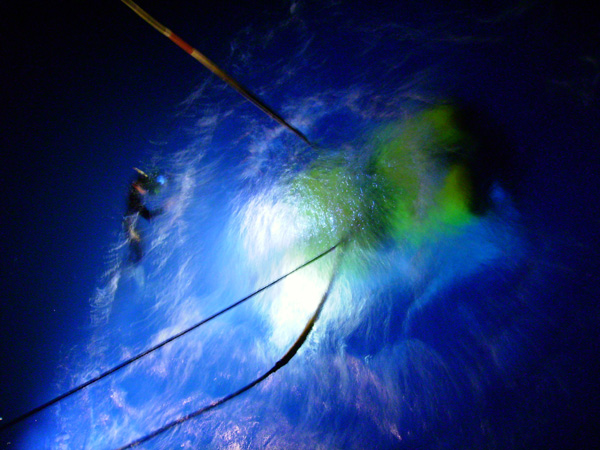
436	331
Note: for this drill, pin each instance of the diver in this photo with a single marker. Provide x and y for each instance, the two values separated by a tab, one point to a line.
140	186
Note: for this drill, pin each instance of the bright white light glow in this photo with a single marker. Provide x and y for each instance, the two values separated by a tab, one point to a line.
294	302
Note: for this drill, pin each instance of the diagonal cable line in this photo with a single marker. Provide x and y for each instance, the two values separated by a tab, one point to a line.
202	59
278	365
131	360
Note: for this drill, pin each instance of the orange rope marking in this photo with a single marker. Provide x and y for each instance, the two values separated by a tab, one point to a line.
214	69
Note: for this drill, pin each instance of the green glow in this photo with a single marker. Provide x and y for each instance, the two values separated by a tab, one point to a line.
330	200
425	187
417	186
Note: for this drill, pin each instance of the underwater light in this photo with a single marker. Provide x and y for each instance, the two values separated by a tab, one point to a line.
294	302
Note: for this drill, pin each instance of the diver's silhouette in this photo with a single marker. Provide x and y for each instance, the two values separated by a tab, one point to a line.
142	185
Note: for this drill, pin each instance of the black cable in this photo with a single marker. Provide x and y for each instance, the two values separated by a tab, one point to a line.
202	59
278	365
157	346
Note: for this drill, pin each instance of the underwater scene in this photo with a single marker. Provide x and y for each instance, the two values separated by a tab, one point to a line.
418	272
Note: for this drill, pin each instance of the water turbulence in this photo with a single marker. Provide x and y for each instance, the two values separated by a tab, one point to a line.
401	346
425	324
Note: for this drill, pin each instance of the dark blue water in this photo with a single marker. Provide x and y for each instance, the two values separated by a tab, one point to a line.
445	327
